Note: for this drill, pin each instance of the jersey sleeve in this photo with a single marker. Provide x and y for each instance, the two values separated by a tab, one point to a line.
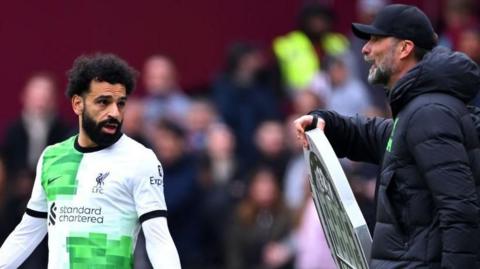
37	205
159	240
148	189
22	241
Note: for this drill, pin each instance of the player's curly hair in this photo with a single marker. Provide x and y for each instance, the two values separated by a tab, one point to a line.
99	67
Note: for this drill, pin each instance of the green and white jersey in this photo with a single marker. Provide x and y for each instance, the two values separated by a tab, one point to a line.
95	200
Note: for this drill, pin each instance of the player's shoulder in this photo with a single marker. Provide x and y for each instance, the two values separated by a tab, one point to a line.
140	160
134	149
62	147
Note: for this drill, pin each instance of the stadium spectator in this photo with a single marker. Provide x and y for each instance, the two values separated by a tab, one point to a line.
200	116
307	243
271	149
306	101
260	219
134	121
300	53
349	96
458	16
37	127
469	43
165	99
223	182
240	97
311	250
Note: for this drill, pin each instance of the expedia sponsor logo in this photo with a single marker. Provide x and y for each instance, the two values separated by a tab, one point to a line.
157	181
77	214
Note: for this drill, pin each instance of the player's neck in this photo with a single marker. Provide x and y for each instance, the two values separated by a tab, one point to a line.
84	140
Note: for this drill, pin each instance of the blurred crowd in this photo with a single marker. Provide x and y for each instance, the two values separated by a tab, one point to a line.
236	183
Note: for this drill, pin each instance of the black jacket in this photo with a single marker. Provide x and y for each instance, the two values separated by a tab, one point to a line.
428	207
16	143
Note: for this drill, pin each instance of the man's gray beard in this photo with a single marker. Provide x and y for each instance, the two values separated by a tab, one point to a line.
379	76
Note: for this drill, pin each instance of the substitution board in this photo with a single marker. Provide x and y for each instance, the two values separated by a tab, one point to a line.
343	224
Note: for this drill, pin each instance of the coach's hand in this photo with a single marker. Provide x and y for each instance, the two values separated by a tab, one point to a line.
306	123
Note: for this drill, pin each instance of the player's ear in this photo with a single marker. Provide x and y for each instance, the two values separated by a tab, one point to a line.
77	104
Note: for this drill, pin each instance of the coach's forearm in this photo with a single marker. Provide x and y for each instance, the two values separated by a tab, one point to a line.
357	138
22	241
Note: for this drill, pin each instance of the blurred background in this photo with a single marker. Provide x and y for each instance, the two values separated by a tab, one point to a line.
219	85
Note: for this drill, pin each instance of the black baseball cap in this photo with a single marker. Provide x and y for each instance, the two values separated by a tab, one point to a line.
400	21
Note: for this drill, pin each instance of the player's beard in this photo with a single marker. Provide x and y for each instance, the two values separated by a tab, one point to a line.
95	133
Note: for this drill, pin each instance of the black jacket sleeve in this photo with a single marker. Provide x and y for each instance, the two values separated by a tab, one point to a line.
357	138
434	137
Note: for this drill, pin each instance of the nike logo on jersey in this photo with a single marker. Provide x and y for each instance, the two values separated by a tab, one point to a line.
51	180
